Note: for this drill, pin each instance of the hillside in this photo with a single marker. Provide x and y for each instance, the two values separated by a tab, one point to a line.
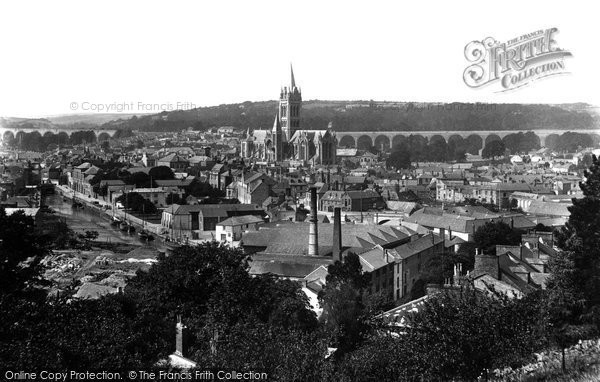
345	115
377	116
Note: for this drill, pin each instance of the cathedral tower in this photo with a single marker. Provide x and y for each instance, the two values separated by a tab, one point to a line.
290	102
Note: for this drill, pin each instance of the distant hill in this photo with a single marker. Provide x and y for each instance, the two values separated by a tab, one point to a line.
377	116
349	116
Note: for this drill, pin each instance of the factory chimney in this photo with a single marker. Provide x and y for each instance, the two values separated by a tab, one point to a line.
313	234
337	234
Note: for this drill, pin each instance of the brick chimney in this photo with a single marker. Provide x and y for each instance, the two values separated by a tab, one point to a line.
487	264
313	234
337	234
180	340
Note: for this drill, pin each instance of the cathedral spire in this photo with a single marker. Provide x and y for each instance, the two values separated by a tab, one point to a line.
276	124
293	83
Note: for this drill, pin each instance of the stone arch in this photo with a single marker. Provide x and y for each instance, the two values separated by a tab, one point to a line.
456	140
364	142
398	140
347	141
474	143
104	136
382	142
492	137
437	137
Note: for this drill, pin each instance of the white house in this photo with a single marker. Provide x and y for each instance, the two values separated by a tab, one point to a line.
232	229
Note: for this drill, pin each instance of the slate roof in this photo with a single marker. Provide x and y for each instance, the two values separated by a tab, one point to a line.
212	209
538	207
454	222
241	220
287	266
292	238
175	182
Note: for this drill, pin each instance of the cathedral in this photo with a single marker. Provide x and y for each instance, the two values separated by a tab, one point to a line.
286	140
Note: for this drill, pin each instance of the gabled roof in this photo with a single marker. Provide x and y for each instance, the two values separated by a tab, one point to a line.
175	182
240	220
287	238
414	247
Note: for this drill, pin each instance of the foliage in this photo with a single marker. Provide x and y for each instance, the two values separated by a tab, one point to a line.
581	236
83	334
317	114
202	189
574	284
161	173
571	142
210	286
455	336
493	149
399	158
136	202
21	251
521	142
441	266
286	355
493	233
344	303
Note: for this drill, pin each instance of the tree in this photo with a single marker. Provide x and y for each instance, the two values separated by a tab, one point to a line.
454	336
399	158
203	189
286	355
543	228
81	334
581	235
211	287
571	142
437	150
136	202
161	173
493	233
493	149
574	283
21	252
344	307
565	304
139	179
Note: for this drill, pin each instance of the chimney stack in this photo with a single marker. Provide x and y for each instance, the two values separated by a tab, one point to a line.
313	234
337	234
487	264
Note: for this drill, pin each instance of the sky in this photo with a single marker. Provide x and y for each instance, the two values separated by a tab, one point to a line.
61	57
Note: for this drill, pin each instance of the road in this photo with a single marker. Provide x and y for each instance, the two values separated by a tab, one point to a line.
81	220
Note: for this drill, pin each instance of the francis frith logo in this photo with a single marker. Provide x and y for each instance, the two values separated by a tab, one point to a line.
515	63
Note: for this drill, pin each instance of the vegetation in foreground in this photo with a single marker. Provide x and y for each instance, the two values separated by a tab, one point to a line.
243	322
